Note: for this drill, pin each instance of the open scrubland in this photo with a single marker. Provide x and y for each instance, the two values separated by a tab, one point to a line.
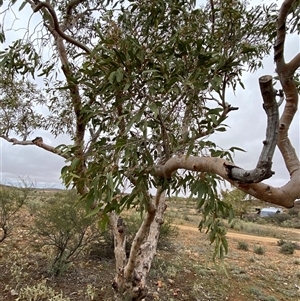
263	262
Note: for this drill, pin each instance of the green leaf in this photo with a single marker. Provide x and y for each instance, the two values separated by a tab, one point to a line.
190	150
93	212
119	75
234	148
222	129
225	244
136	118
75	163
112	77
153	107
216	153
22	5
126	87
150	71
110	182
73	175
121	142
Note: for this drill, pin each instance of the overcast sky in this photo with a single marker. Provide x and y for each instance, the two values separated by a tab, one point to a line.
247	131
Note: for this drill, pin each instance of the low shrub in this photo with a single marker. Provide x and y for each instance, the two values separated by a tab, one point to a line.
11	201
233	223
40	292
279	218
259	250
293	212
287	248
62	227
281	242
242	246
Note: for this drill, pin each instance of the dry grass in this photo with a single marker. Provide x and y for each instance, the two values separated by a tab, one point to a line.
183	271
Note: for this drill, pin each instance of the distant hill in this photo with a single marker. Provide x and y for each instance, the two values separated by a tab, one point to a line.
33	188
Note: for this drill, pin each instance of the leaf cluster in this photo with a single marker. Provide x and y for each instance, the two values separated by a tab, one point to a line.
19	101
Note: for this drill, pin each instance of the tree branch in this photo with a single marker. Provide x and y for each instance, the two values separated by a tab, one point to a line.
90	145
148	248
138	240
286	74
283	196
119	232
185	139
38	141
263	167
294	63
165	137
281	33
213	19
50	9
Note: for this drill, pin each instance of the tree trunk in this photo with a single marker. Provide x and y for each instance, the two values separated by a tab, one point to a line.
131	273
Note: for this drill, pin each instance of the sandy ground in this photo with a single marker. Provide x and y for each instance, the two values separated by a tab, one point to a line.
240	236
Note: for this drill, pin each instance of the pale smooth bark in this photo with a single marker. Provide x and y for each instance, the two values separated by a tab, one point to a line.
131	272
283	196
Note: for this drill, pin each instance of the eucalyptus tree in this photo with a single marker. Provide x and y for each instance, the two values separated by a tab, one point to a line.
140	86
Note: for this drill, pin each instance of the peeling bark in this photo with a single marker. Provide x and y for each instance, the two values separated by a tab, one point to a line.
131	273
119	232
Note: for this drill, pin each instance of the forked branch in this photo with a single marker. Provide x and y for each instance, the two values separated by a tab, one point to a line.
57	28
263	168
283	196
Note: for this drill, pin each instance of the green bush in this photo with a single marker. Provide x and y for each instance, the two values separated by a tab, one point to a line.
279	218
293	212
259	250
62	226
281	242
243	246
233	223
287	248
11	201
